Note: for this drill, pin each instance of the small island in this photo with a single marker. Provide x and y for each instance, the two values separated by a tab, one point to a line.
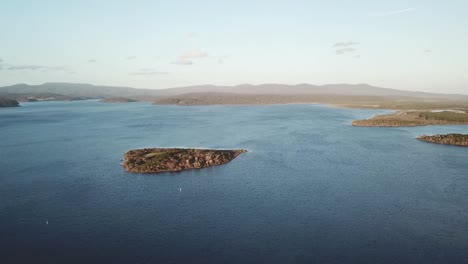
448	139
155	160
416	118
5	102
118	100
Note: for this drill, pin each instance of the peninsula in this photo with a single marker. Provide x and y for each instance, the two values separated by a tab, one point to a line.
448	139
416	118
155	160
5	102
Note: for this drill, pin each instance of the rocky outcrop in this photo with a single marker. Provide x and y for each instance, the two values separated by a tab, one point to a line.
154	160
448	139
5	102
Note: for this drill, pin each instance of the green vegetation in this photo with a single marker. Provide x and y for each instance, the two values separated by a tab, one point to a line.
445	116
7	102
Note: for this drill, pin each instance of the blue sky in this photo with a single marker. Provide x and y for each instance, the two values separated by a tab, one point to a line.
412	45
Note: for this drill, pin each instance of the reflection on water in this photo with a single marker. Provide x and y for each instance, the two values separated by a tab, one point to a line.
312	188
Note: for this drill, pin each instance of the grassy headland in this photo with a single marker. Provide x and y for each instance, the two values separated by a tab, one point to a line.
415	118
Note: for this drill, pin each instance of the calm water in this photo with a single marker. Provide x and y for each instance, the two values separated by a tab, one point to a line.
312	188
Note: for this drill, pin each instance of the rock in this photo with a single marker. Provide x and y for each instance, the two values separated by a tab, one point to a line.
155	160
448	139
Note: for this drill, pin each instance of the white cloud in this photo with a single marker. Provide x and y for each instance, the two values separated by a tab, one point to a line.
393	13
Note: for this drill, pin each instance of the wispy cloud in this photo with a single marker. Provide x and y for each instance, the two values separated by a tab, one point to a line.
26	67
130	57
344	51
31	67
1	60
181	61
91	61
148	72
345	44
194	54
345	47
188	57
392	13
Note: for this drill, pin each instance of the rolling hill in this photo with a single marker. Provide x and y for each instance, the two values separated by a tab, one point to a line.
68	91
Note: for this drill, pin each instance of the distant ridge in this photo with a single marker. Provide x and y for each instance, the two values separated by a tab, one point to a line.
99	91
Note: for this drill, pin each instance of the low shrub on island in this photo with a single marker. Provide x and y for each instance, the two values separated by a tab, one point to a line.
5	102
154	160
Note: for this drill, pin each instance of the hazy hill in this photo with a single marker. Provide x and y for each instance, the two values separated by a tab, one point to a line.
353	101
327	89
97	91
76	90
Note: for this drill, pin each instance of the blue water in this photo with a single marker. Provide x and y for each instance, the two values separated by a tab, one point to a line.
311	189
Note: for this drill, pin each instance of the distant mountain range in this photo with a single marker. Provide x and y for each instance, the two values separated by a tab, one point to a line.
84	91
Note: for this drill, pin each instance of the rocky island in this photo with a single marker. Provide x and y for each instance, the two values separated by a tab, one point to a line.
155	160
118	100
416	118
5	102
448	139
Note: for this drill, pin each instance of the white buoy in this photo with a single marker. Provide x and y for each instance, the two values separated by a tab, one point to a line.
180	189
46	222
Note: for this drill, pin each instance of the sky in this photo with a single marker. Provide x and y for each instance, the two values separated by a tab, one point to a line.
410	45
